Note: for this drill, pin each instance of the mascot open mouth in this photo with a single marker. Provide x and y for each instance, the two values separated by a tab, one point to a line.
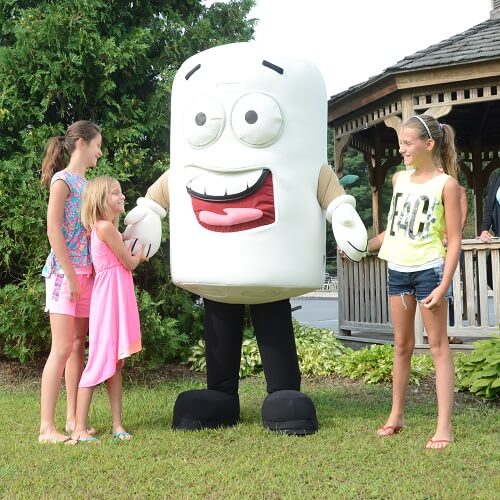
231	202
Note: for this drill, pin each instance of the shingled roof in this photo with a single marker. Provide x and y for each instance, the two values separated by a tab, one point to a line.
479	43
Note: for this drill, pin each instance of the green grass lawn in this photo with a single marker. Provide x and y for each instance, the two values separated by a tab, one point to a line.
344	459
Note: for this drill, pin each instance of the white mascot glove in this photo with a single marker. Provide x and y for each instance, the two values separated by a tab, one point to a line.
347	226
144	227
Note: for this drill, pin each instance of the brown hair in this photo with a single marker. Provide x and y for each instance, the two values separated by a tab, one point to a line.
94	201
54	159
444	153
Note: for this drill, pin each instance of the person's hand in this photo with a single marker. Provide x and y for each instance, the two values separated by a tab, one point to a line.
435	298
74	288
485	236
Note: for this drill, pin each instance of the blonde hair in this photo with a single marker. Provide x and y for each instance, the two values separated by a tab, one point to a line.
94	201
444	153
55	157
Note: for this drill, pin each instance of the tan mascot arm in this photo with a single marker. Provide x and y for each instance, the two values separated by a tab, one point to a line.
347	226
144	221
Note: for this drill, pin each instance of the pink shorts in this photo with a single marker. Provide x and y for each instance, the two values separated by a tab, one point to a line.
57	295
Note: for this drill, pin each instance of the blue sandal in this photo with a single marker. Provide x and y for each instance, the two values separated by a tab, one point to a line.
122	436
90	439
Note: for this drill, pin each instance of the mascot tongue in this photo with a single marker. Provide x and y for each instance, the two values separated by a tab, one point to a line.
233	216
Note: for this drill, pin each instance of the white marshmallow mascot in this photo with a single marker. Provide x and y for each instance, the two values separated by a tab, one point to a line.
248	190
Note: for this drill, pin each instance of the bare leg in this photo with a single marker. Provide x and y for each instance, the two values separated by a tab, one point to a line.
403	317
114	385
82	412
435	322
62	327
74	370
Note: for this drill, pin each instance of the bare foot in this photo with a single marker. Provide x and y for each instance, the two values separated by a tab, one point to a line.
394	425
439	441
389	430
55	437
69	430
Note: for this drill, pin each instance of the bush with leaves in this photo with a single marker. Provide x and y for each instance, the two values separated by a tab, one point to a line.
24	327
374	365
479	372
112	62
317	351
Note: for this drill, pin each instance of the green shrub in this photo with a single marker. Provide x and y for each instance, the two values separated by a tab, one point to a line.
161	339
24	327
317	351
479	372
374	365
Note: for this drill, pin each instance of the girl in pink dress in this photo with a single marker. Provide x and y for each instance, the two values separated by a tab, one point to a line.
114	329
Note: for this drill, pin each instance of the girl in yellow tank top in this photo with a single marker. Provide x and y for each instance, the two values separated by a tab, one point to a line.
425	201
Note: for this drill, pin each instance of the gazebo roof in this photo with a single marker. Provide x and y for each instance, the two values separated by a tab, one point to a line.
479	43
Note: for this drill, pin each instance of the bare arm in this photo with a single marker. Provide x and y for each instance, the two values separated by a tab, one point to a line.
453	219
59	192
463	205
108	233
375	243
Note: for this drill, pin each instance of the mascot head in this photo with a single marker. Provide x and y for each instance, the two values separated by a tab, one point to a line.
248	138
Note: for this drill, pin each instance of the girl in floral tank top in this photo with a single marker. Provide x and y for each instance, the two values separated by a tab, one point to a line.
68	270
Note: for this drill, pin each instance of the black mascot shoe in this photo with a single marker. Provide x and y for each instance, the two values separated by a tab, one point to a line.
205	409
289	412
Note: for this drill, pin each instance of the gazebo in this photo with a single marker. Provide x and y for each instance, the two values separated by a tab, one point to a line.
457	81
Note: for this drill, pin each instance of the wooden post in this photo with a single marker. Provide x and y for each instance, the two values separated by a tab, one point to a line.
340	147
477	182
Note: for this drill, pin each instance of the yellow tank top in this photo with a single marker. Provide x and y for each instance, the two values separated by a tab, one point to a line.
415	225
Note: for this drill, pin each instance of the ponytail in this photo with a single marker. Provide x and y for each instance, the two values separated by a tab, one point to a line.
54	159
448	152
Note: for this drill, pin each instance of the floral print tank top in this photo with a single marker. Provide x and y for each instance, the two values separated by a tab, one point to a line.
72	228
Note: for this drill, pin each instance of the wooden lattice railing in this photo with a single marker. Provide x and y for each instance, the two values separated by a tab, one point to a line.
363	304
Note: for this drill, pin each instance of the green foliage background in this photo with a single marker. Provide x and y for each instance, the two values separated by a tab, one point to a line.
112	62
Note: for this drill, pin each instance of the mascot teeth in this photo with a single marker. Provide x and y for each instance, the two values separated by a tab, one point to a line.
209	185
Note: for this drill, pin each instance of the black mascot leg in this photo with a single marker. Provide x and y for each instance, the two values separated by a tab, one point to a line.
285	409
217	406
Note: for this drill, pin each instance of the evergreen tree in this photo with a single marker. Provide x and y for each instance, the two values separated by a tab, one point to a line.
110	61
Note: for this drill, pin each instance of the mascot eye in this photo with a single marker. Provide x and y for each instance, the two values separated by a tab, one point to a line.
203	122
256	119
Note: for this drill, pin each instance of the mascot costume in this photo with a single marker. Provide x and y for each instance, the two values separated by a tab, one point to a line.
247	191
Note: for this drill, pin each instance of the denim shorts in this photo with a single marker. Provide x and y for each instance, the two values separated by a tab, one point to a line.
417	283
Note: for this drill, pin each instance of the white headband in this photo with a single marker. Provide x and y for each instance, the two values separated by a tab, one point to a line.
422	121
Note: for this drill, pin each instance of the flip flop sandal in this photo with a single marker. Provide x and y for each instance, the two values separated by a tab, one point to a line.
396	429
122	436
90	439
55	441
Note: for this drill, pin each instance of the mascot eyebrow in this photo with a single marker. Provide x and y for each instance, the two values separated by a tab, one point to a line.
272	66
265	63
189	74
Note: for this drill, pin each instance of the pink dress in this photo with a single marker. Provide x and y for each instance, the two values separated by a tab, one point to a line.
114	328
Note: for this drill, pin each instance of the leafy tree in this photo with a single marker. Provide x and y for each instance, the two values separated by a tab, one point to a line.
111	61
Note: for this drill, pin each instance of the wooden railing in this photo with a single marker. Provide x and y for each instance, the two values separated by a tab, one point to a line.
363	304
